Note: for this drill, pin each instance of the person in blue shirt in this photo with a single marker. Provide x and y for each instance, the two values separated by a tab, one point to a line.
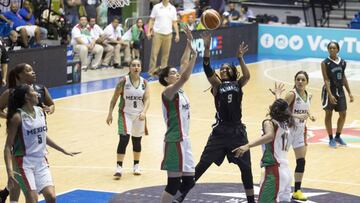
20	25
26	12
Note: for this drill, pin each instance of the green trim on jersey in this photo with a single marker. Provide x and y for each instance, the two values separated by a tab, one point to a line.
268	158
19	176
173	157
19	145
174	132
268	191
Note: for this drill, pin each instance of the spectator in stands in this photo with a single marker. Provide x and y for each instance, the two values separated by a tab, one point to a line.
90	7
84	44
218	5
162	19
191	23
233	13
137	36
180	23
20	25
12	42
225	19
100	37
189	4
113	31
102	17
246	13
71	11
26	12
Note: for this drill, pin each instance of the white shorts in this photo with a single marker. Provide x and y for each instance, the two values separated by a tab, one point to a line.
30	29
277	178
32	173
131	125
178	157
298	136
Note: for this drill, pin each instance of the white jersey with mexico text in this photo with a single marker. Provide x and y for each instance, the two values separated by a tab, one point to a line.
31	140
276	151
177	117
300	106
131	100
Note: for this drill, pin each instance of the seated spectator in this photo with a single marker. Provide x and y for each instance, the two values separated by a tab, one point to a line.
180	23
137	36
113	30
26	12
20	25
99	35
233	14
246	13
225	19
11	42
84	44
191	23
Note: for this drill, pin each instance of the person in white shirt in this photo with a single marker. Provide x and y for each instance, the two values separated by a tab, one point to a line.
101	38
162	19
113	31
83	44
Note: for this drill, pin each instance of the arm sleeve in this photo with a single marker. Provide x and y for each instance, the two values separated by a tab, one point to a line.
209	72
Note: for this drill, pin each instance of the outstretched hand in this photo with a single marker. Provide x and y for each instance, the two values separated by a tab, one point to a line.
278	90
71	153
243	48
206	36
188	33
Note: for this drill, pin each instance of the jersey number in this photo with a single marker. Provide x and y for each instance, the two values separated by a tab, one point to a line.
135	104
229	98
39	139
339	76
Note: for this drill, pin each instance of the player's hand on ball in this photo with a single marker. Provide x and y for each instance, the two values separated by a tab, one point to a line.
243	48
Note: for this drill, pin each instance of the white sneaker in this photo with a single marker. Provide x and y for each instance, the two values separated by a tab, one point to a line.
118	171
136	169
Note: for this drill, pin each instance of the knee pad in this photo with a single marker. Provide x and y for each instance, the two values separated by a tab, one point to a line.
300	165
136	141
124	140
173	185
187	182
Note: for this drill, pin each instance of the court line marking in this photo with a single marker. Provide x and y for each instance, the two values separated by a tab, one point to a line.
296	63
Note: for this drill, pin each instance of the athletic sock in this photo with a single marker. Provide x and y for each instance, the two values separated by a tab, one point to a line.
119	163
297	186
136	162
337	135
331	137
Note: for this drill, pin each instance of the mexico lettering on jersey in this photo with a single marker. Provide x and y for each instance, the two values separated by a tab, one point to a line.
275	152
131	100
30	139
300	106
177	117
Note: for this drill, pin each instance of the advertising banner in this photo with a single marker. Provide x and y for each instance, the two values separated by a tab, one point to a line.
307	41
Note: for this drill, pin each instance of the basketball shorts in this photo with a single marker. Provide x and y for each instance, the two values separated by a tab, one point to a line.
276	184
341	102
223	139
298	136
178	157
131	124
32	173
30	29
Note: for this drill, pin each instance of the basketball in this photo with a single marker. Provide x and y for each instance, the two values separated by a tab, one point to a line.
211	19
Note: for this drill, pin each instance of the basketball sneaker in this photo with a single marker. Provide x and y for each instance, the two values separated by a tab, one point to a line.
340	141
136	169
298	195
118	171
332	143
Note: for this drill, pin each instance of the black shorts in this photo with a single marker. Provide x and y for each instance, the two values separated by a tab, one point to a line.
223	139
341	101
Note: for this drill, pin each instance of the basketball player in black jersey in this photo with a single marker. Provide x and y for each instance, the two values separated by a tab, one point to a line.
333	95
228	131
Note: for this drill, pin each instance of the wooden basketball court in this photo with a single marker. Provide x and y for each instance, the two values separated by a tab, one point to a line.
78	124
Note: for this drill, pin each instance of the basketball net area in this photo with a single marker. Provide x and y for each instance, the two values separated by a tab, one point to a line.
116	3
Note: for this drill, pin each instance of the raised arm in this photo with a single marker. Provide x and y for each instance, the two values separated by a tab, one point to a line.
48	105
243	48
266	138
184	62
209	72
171	90
118	90
332	99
